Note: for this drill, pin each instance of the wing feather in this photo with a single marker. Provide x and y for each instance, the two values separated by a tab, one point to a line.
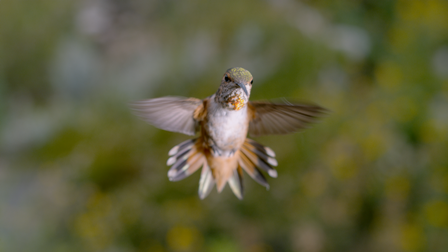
270	118
169	113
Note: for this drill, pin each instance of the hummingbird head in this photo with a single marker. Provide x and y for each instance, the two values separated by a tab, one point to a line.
235	88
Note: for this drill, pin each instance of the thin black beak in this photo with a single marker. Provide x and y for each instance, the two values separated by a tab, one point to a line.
244	88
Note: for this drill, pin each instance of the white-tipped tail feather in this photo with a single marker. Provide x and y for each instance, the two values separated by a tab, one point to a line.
236	182
206	182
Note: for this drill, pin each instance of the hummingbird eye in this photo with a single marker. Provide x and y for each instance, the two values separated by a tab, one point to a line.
252	81
227	79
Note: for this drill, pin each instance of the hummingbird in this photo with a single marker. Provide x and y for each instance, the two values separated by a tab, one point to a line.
223	121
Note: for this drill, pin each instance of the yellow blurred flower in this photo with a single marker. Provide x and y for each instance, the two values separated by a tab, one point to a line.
436	212
412	237
183	238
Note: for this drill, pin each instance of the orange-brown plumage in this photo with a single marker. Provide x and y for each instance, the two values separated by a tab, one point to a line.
222	168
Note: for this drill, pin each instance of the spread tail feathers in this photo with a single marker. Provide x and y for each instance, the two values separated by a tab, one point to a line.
188	157
253	157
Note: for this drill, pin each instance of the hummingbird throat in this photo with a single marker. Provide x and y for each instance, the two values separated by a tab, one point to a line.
237	101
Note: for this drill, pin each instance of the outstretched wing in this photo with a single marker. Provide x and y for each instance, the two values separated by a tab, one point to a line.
169	113
270	118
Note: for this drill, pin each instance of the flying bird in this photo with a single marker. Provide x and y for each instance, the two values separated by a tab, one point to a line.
223	121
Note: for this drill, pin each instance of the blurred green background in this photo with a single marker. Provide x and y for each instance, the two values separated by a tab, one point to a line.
79	172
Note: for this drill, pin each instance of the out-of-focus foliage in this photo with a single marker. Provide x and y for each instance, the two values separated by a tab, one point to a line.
78	172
